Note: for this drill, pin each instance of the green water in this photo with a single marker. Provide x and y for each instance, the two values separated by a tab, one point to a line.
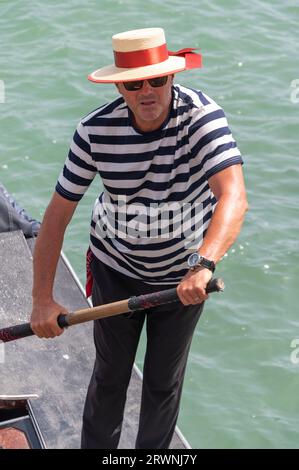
241	387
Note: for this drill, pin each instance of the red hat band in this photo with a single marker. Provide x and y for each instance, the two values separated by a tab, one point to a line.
155	55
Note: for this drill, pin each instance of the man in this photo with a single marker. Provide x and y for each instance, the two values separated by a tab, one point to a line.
159	148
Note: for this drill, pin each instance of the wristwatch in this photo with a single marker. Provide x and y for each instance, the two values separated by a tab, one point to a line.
195	259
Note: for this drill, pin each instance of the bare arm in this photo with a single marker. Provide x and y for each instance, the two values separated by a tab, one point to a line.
46	254
229	190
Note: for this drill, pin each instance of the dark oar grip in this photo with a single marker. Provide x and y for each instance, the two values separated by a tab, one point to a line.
14	332
24	329
167	296
215	285
62	320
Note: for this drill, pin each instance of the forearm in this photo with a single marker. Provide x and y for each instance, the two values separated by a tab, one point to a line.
46	254
48	246
224	227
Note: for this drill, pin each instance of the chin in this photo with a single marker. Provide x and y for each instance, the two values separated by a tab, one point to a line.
150	115
148	118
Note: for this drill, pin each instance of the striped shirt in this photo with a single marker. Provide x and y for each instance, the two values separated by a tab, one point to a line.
156	204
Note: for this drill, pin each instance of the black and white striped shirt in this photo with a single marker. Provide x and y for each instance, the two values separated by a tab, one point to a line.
156	204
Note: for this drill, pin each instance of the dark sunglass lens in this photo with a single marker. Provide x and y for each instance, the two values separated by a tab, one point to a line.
137	84
158	81
133	86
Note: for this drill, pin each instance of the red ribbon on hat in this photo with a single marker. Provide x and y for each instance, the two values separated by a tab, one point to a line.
155	55
193	60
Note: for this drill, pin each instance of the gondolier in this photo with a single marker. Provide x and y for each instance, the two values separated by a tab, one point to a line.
173	203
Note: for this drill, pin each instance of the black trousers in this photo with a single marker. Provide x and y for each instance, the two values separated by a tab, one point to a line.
169	331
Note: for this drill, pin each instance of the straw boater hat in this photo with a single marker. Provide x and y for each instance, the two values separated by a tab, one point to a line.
142	54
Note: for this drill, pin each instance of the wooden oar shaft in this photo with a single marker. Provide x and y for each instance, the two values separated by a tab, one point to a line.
95	313
132	304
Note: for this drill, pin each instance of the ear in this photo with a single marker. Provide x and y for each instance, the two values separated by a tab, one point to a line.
117	86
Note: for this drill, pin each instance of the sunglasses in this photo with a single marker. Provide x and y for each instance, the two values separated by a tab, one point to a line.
138	84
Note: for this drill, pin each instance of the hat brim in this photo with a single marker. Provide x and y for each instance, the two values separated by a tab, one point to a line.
112	74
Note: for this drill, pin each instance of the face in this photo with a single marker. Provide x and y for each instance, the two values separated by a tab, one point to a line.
149	105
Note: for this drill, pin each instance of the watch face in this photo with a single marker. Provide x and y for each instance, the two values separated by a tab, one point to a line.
193	259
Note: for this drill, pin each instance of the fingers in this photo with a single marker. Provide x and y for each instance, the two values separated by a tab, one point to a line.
192	296
44	319
46	329
192	289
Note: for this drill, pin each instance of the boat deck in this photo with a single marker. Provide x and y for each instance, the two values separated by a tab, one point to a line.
57	370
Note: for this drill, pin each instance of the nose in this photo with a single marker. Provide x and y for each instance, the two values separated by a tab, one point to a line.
146	87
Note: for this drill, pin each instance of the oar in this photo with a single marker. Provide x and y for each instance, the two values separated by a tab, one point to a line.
140	302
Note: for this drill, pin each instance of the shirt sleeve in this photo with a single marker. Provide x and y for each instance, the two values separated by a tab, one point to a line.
79	169
211	141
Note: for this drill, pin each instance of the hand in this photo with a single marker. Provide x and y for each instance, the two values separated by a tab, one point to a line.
44	318
192	288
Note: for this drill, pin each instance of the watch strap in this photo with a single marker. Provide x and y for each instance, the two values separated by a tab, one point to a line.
206	263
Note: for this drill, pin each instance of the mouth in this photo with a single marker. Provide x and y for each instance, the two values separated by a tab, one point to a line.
147	103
